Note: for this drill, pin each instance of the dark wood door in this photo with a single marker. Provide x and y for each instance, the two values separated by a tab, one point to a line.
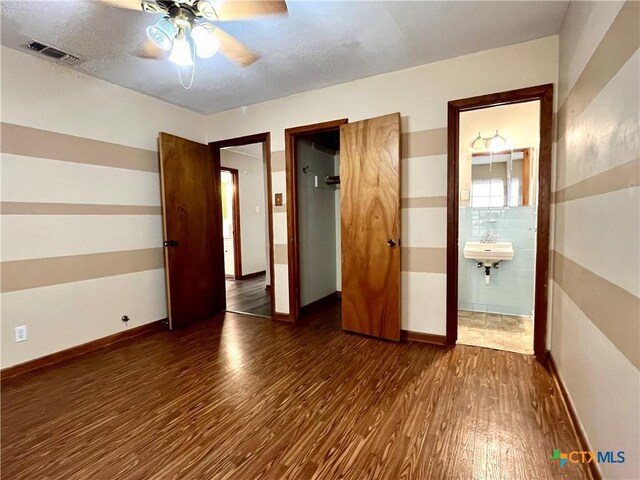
370	217
194	254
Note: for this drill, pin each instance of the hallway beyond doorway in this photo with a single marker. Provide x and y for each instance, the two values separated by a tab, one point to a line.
249	296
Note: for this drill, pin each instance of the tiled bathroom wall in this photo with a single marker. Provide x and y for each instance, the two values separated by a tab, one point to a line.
511	288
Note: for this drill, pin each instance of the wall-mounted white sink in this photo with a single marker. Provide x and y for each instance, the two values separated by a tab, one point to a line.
488	253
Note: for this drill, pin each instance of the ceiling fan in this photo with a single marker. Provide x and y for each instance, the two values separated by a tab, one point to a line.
185	30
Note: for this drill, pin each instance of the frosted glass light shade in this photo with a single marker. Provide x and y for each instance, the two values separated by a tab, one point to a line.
207	43
162	33
181	52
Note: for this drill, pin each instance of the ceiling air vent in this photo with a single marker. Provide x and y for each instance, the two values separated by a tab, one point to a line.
52	52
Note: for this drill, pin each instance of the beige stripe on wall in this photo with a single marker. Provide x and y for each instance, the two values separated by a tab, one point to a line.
618	44
39	208
280	254
623	176
421	143
424	259
277	161
614	310
424	202
33	142
43	272
424	143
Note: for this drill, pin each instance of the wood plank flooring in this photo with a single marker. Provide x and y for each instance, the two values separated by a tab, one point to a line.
238	397
249	296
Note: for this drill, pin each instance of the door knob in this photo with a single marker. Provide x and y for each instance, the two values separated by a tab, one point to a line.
170	243
391	242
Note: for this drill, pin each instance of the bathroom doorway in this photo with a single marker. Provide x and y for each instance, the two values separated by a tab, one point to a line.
498	220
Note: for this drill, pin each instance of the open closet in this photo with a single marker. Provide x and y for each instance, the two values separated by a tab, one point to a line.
318	182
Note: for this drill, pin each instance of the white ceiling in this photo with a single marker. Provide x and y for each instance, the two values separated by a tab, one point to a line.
321	43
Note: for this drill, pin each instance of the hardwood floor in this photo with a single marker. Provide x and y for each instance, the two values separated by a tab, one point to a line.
249	296
236	397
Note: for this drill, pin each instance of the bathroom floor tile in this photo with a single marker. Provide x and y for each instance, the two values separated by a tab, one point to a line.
492	330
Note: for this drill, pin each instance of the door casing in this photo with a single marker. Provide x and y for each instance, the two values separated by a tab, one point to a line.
543	93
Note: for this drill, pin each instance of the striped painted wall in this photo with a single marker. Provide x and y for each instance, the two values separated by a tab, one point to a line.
420	94
596	263
81	232
80	202
81	240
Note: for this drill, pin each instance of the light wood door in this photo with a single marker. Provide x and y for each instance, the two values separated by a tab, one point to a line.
192	220
370	219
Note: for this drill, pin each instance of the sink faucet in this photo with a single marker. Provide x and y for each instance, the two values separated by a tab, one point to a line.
488	237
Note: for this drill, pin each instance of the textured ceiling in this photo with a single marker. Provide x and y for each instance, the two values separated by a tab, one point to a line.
319	44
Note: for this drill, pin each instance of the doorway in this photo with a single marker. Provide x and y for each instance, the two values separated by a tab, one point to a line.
231	222
246	223
318	201
498	158
498	220
313	154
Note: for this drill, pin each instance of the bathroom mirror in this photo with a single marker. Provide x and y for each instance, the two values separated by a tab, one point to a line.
503	179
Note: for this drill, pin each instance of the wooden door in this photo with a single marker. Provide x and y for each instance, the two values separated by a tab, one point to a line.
370	218
192	220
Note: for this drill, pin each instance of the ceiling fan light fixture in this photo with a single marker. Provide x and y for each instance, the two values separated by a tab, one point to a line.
181	53
162	33
207	44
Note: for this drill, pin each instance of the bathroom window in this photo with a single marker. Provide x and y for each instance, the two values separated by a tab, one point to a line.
487	192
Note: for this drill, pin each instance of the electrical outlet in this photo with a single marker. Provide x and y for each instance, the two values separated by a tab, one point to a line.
21	333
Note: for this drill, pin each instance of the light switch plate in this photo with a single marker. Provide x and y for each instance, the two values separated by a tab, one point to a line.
278	200
464	194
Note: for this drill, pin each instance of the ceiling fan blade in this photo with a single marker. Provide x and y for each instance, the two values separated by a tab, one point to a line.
246	9
149	50
234	50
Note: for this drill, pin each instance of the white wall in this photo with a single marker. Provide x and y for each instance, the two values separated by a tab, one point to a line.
596	283
252	208
41	94
316	224
38	94
420	94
